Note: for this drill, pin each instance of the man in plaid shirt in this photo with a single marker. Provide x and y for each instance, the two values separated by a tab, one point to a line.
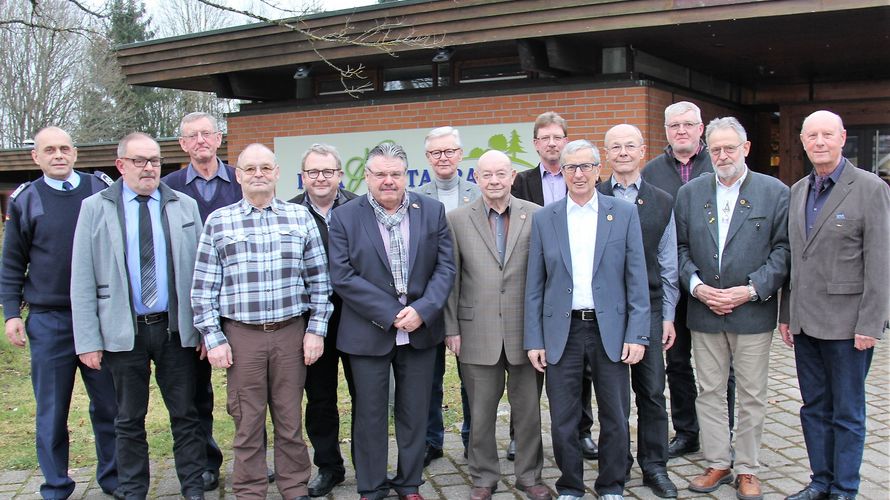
261	265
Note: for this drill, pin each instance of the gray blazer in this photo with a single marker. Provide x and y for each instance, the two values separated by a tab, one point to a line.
840	274
101	304
756	249
486	303
468	192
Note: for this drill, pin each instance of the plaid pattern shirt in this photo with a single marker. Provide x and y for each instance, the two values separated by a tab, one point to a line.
260	266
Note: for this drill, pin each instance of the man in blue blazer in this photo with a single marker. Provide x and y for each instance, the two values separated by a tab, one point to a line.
391	262
587	298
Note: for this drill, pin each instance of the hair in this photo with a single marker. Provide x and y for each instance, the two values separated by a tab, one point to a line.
323	150
727	122
122	145
197	115
388	150
442	132
259	146
550	118
678	108
579	145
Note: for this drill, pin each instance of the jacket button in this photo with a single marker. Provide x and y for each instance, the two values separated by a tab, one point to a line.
567	315
803	258
715	256
569	290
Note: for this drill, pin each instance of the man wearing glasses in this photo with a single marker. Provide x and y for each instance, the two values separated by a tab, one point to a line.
131	272
732	237
260	273
212	184
322	170
444	154
587	301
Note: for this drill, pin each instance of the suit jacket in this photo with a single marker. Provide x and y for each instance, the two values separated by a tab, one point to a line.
101	296
361	275
756	249
528	186
485	306
468	192
840	274
620	289
661	171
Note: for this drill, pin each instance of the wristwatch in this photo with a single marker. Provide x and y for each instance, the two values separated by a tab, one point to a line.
752	292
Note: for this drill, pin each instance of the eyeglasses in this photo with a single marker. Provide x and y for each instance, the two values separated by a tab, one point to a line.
584	167
204	134
729	150
501	175
548	138
381	176
143	162
616	149
327	173
254	169
685	125
438	153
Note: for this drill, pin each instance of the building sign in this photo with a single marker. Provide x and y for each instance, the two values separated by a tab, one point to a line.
514	139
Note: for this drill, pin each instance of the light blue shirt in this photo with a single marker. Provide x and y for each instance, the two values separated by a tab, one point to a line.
131	218
207	187
554	186
56	184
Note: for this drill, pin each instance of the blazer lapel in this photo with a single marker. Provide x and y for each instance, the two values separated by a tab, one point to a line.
466	191
480	221
710	214
799	206
369	224
415	219
603	228
112	210
561	226
518	219
838	193
536	186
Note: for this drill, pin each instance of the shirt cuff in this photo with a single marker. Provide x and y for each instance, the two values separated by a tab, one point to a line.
694	281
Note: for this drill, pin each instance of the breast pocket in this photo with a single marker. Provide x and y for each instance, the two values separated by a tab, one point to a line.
290	246
236	250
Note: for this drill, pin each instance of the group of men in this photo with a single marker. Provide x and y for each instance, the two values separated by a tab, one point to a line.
551	278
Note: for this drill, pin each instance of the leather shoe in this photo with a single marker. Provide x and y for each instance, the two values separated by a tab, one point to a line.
536	491
710	480
680	446
432	453
660	484
302	497
589	449
323	483
118	493
840	496
195	497
411	496
480	493
511	451
808	493
747	487
210	479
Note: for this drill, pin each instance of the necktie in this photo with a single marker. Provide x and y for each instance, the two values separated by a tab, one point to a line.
67	186
819	184
147	254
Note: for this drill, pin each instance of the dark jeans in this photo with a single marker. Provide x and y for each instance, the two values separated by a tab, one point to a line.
175	369
435	431
53	368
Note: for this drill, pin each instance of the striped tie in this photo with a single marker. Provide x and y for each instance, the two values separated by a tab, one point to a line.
147	254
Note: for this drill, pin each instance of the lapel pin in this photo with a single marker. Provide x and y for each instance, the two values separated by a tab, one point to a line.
466	199
639	201
708	205
711	220
609	217
415	205
743	202
522	216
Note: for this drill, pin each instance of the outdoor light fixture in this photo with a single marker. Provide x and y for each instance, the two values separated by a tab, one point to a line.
301	72
443	55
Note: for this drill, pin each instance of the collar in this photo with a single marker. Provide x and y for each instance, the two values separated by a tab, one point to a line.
221	172
447	184
670	152
544	172
835	175
488	209
735	185
56	184
637	183
593	203
130	195
245	208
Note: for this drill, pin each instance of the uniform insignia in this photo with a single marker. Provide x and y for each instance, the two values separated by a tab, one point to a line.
19	189
103	177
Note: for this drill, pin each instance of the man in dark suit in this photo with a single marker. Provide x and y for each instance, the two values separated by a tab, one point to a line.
391	262
587	300
840	232
625	150
732	234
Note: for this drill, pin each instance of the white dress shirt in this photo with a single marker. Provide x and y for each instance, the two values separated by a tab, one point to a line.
582	220
727	197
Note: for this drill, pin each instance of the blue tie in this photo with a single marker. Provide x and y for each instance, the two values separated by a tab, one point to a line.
67	186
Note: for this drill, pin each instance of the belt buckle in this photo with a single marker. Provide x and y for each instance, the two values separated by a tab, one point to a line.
588	315
270	327
153	318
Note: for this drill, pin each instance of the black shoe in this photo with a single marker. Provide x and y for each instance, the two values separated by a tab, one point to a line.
199	496
271	475
302	497
466	453
840	496
660	484
117	493
432	453
211	480
680	446
323	483
808	493
589	449
511	450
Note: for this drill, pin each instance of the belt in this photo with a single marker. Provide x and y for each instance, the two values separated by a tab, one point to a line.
267	327
152	318
584	314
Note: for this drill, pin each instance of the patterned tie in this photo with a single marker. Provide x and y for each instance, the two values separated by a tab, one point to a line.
819	184
147	254
67	186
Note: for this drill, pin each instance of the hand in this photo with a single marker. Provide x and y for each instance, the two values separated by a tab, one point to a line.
408	320
453	344
92	359
668	335
787	338
631	354
220	356
722	301
863	342
313	347
15	331
538	357
201	349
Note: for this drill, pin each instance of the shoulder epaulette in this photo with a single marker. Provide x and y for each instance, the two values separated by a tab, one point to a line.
19	189
103	177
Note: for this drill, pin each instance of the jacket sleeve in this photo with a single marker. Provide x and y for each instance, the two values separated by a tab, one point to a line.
874	307
16	249
534	289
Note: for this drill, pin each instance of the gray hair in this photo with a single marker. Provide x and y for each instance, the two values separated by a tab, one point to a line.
389	150
122	145
727	122
323	150
576	146
197	115
442	132
678	108
261	147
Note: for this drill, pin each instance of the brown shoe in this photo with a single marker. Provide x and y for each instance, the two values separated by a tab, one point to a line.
536	491
747	487
480	493
710	480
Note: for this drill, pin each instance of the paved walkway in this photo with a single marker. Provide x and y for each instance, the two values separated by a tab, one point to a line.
783	456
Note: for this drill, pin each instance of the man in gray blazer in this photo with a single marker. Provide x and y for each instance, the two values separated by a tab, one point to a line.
839	302
732	237
483	326
444	154
587	300
131	274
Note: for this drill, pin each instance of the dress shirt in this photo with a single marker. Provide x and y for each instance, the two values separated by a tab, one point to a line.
582	222
684	169
73	179
554	186
260	266
307	202
131	217
815	201
500	225
207	187
404	228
